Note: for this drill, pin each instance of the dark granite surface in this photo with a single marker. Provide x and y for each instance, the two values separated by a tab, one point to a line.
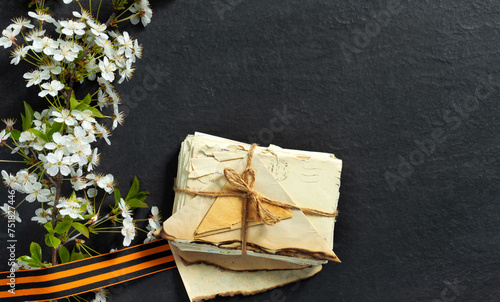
406	93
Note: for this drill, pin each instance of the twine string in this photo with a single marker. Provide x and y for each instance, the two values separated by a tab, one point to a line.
242	185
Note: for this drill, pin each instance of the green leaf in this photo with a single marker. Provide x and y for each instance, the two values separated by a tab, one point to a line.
95	112
52	241
136	203
83	207
63	226
76	256
141	195
81	228
73	102
64	254
39	134
48	227
51	129
87	99
23	122
118	196
15	134
133	189
28	119
36	252
30	261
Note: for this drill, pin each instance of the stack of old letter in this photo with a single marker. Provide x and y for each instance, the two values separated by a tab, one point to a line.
204	232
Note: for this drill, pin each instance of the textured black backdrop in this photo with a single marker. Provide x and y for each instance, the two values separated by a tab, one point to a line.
405	93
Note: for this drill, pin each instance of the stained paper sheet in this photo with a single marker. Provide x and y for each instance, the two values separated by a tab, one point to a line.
311	178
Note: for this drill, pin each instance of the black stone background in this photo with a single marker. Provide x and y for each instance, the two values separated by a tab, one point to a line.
413	226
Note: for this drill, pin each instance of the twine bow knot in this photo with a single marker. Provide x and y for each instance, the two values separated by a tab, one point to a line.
242	185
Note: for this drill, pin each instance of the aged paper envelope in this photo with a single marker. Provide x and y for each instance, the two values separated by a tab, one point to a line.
307	176
204	281
279	239
311	178
225	215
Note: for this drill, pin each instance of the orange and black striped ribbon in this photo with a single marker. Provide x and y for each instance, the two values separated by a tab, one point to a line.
88	274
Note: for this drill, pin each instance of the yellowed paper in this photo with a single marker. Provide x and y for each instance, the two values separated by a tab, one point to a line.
203	282
311	178
225	214
318	190
280	238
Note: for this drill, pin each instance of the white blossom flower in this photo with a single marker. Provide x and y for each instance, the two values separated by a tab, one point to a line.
125	208
93	160
150	237
91	193
20	23
80	157
8	210
8	37
127	72
67	50
21	265
99	30
41	117
41	16
38	144
42	216
3	137
115	98
9	123
137	49
57	162
35	33
72	207
84	15
70	28
154	219
8	179
103	132
81	140
92	68
36	77
23	177
85	118
52	67
128	231
60	142
108	87
67	1
19	53
107	69
100	294
77	181
118	118
107	183
118	59
26	136
142	12
37	192
106	45
64	117
51	88
102	99
126	45
45	44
